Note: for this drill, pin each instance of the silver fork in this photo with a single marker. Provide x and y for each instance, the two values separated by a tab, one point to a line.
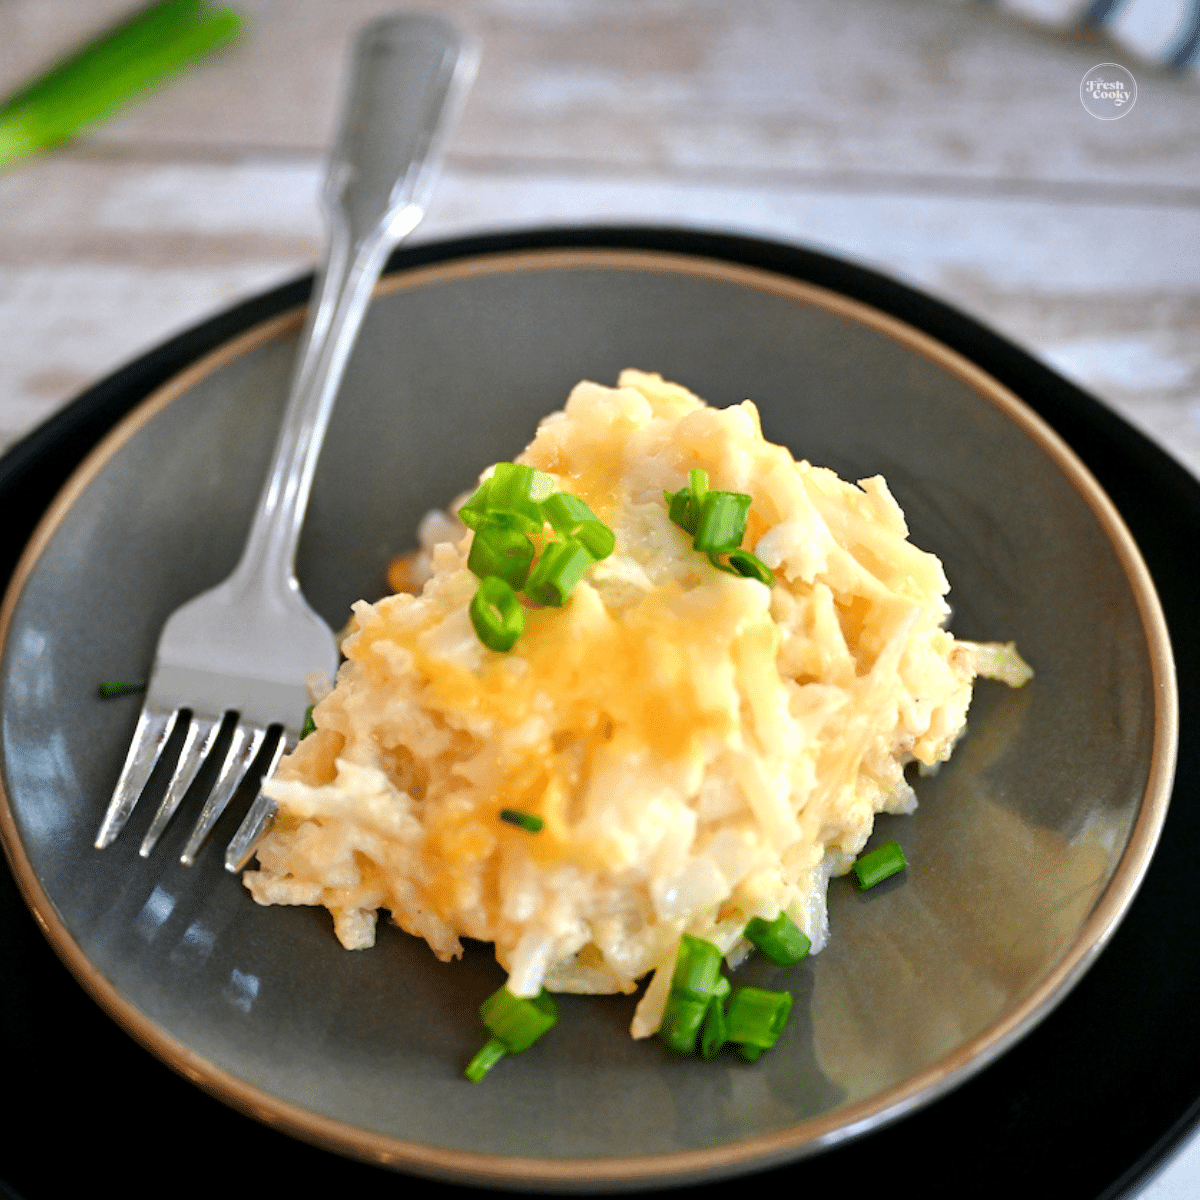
243	652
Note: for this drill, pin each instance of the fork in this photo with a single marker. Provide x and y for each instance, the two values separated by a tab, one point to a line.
242	654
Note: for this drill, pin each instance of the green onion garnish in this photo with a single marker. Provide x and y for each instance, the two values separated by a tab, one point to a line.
502	551
684	505
512	503
780	940
717	523
756	1017
530	822
679	509
722	522
750	566
490	1053
496	614
570	518
879	865
714	1034
309	726
511	496
697	968
695	984
121	688
518	1021
111	71
682	1018
559	569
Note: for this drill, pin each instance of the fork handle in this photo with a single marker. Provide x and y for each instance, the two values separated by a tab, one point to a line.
410	76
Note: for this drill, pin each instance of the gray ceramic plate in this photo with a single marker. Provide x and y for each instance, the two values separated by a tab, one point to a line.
1025	851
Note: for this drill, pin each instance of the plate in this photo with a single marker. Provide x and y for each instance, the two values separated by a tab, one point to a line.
1026	850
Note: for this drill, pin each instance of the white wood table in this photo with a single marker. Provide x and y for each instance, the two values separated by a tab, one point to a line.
940	142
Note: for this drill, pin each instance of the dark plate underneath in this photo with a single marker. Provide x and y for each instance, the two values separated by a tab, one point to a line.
1093	1098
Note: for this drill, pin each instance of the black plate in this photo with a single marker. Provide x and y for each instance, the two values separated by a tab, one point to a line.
1084	1106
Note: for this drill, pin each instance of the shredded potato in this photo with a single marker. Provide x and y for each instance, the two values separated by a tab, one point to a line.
702	749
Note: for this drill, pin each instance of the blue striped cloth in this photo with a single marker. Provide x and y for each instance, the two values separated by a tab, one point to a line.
1166	32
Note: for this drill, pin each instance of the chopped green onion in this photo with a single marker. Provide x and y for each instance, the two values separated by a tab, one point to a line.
750	566
756	1016
695	982
111	71
518	1021
123	688
684	505
597	539
513	502
780	940
682	1018
722	522
679	509
570	517
559	569
518	489
717	522
496	614
309	726
490	1053
697	968
511	496
475	511
714	1035
879	865
501	551
530	822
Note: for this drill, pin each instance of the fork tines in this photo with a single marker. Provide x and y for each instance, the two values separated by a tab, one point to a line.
154	729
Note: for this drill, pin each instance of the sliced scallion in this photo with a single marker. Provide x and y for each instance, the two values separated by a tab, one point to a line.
125	687
697	968
309	726
558	570
722	522
502	551
717	522
756	1016
530	822
679	509
879	865
714	1033
518	1021
750	566
779	940
518	490
571	518
512	496
695	981
490	1053
496	614
682	1019
111	71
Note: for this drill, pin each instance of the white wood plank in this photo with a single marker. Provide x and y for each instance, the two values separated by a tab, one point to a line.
762	88
1101	290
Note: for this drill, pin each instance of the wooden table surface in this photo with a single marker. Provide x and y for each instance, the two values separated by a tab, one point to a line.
939	141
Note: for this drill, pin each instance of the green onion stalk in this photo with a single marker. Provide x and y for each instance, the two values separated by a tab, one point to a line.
110	72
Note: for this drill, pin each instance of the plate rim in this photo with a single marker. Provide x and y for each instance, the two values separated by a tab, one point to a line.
731	1157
